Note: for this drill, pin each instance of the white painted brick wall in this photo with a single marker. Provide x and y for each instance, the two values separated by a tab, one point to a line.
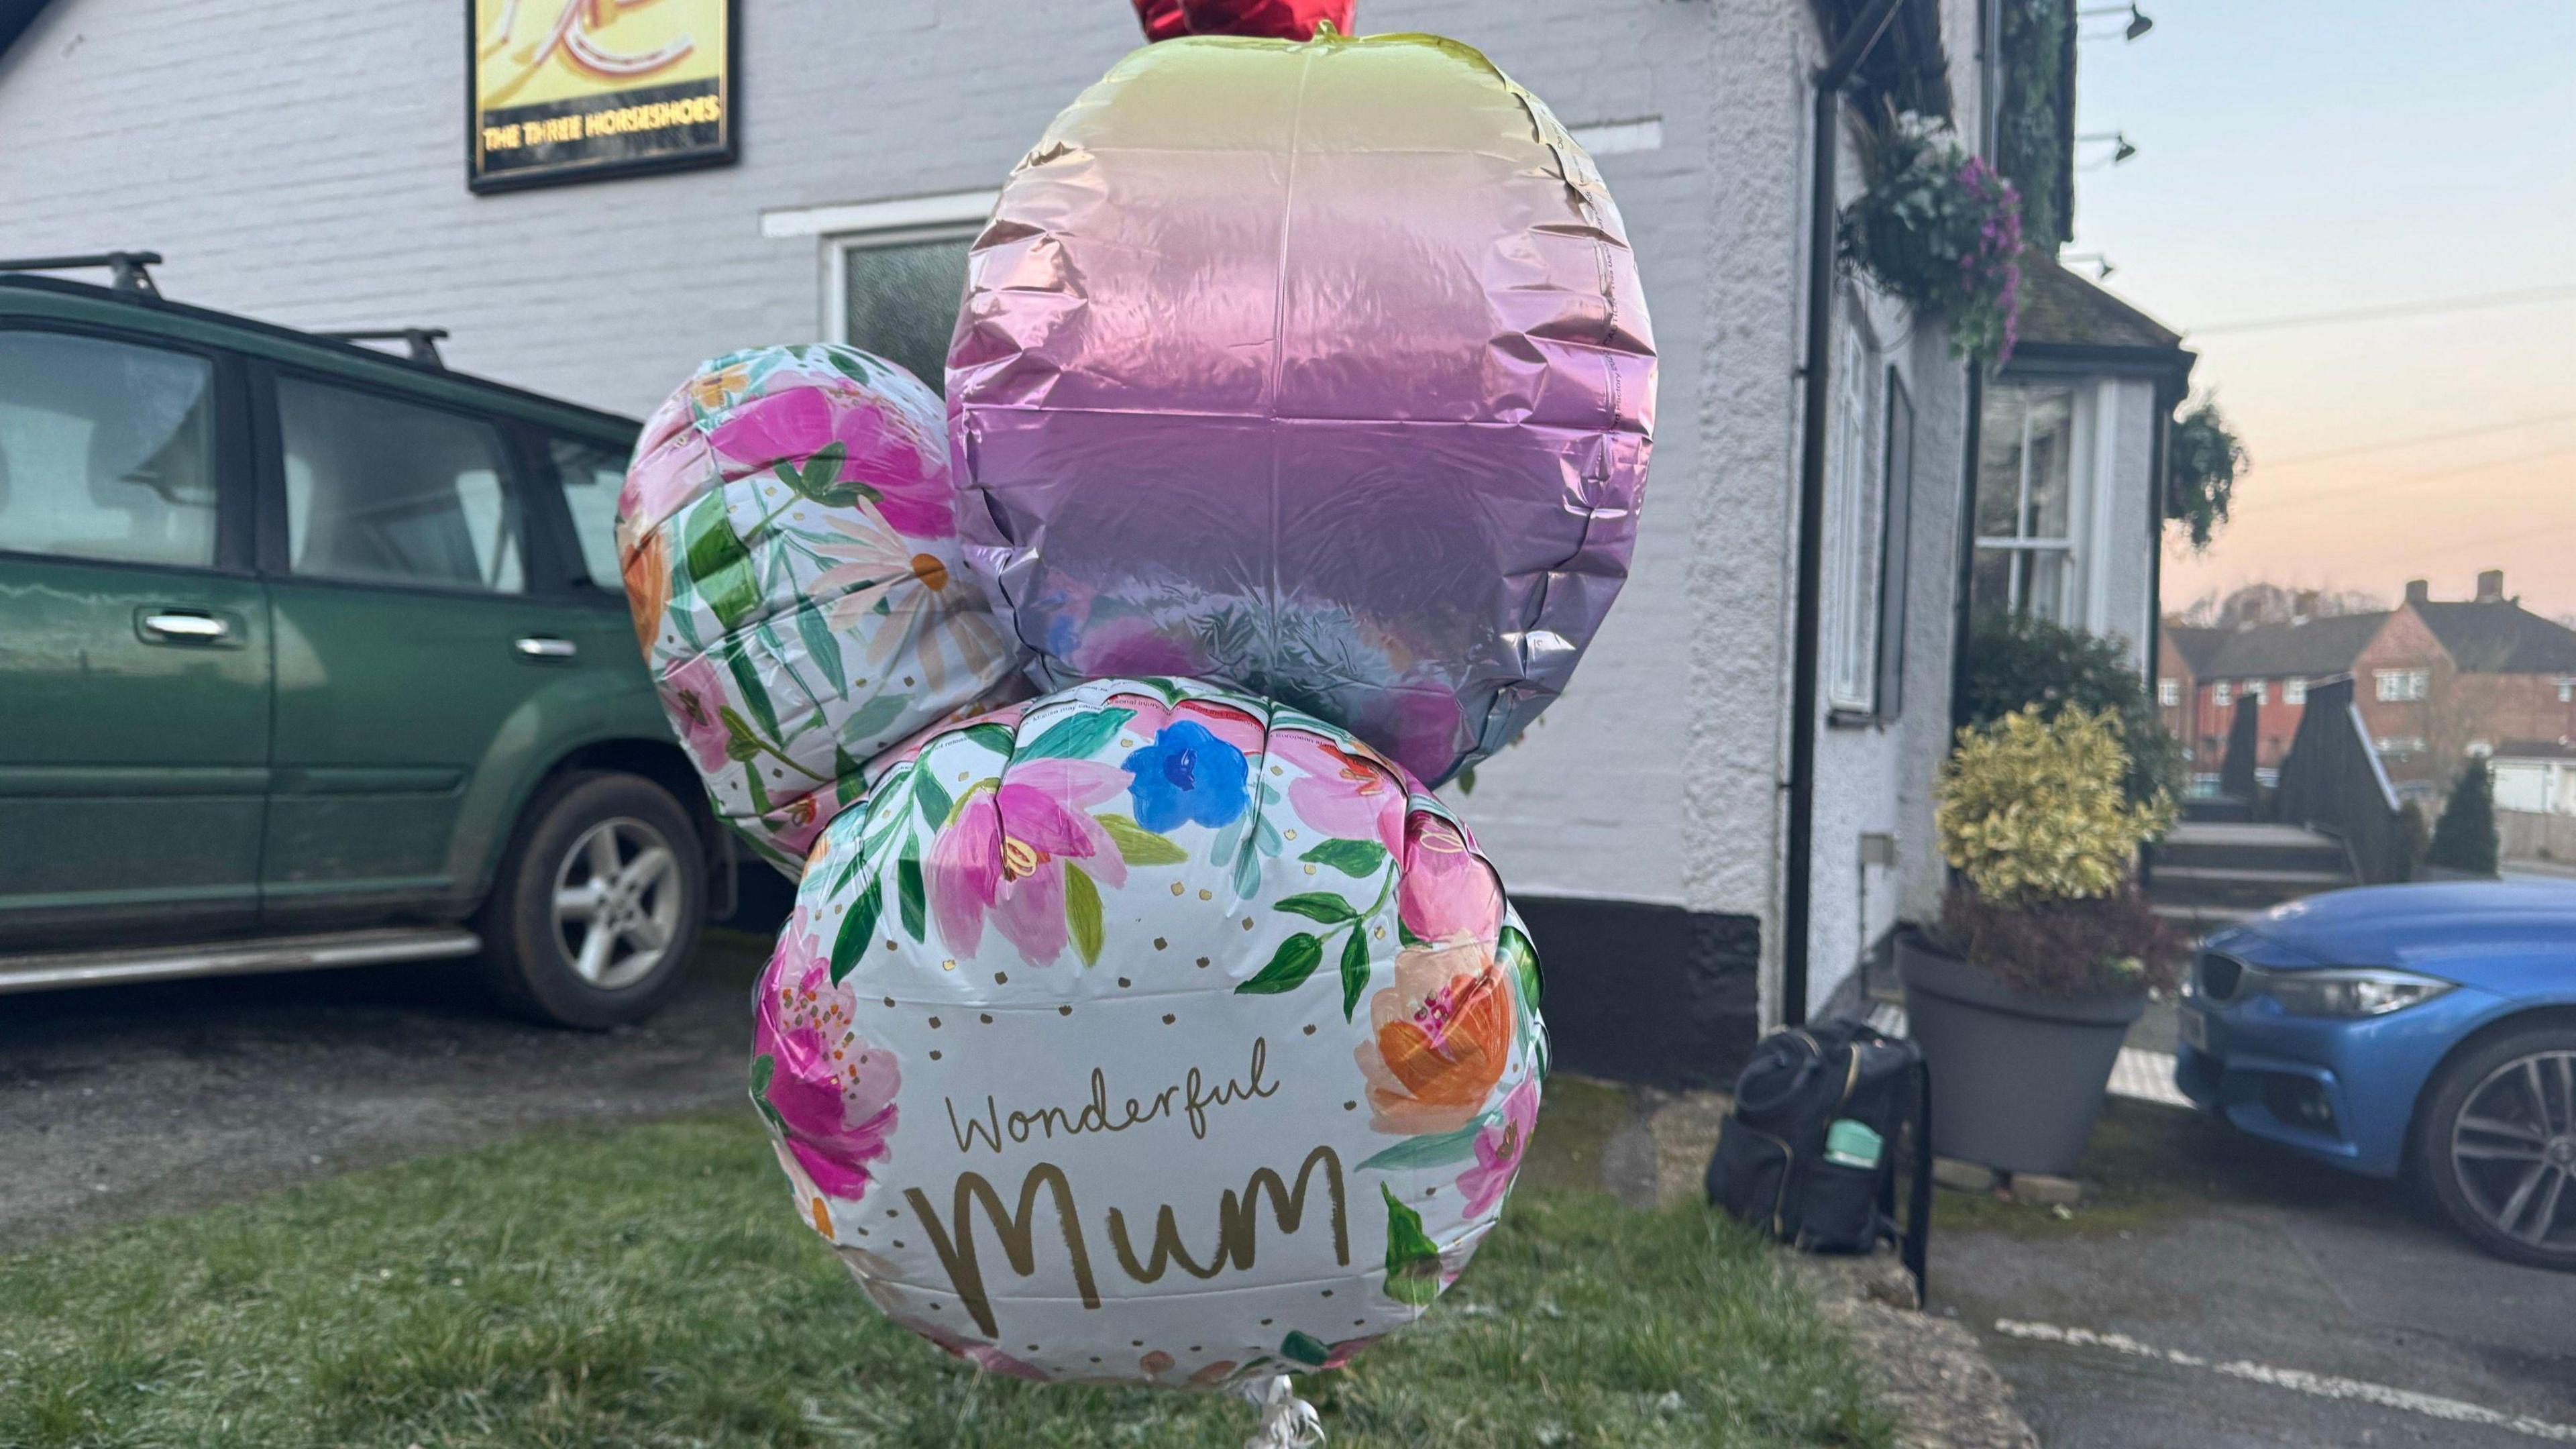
303	161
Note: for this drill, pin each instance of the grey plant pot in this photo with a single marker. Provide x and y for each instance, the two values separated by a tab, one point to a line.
2016	1079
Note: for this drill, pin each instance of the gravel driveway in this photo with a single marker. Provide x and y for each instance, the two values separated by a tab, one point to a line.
129	1100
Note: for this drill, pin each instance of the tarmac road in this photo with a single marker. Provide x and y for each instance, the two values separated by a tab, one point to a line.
2236	1294
129	1100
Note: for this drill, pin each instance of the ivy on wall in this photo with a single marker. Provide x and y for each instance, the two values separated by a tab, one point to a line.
2035	116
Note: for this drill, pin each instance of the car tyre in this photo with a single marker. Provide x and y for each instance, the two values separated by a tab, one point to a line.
2495	1144
597	907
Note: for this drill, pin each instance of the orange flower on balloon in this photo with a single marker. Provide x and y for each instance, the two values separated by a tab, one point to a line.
1440	1038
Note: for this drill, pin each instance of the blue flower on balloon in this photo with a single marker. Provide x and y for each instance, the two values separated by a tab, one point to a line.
1188	775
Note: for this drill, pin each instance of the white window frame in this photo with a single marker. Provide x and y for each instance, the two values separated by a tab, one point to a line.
2402	686
2079	607
1855	504
2219	696
2567	691
2169	693
2294	690
2259	691
847	226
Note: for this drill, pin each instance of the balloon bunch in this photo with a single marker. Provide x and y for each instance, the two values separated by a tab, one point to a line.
1143	1017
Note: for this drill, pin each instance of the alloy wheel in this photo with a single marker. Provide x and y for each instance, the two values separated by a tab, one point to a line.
617	902
2513	1149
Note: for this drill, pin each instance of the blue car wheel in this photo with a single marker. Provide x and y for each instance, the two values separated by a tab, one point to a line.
2496	1144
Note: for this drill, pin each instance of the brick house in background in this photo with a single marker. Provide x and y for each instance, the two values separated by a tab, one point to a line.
2444	680
2437	681
2272	663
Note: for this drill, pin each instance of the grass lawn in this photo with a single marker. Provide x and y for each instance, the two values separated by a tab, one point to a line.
651	1286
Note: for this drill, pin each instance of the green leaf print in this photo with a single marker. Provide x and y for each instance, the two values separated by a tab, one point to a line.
741	745
1412	1262
1439	1149
908	891
1355	972
719	566
1350	857
1322	906
764	1067
1078	738
858	928
1305	1348
1082	913
1296	959
822	648
1138	845
994	737
754	693
931	796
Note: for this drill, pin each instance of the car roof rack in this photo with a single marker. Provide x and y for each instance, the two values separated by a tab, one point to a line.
422	342
128	268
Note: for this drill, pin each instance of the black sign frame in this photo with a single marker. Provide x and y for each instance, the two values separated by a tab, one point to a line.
725	150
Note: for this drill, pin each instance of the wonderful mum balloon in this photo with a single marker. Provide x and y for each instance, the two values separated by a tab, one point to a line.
1149	1032
1319	368
789	542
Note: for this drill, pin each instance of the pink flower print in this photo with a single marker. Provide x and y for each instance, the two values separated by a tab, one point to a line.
828	1090
660	482
1348	791
691	695
884	450
1006	852
1499	1149
1448	892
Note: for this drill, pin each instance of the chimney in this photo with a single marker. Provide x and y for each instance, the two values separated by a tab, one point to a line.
2303	606
2419	591
2491	586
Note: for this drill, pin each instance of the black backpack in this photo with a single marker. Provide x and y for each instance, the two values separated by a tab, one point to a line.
1783	1165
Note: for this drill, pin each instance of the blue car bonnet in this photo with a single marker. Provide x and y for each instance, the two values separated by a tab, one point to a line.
2511	937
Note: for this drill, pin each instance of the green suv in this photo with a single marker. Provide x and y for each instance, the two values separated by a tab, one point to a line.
314	655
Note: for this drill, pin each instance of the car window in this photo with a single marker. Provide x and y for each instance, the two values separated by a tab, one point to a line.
592	476
380	491
106	450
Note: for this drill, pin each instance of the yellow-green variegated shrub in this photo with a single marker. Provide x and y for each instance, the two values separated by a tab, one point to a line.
2030	808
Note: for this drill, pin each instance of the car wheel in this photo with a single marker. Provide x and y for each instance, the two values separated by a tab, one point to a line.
2496	1145
597	907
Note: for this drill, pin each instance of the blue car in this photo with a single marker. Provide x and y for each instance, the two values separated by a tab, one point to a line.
2426	1030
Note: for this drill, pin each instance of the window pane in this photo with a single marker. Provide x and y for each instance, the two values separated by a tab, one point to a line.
385	492
903	302
106	450
2048	588
591	477
1991	590
2052	438
1999	462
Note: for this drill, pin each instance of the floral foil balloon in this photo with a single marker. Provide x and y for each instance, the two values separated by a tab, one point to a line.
1320	368
789	542
1149	1032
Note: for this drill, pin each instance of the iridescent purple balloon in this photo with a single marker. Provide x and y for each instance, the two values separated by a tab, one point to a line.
1320	368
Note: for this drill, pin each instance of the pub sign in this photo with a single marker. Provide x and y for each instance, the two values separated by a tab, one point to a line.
572	90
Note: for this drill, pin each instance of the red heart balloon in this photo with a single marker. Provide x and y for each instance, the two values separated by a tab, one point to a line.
1275	19
1162	19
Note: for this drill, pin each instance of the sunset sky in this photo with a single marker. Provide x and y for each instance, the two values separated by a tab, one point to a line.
2297	157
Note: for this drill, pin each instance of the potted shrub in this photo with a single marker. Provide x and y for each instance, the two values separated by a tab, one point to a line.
2046	950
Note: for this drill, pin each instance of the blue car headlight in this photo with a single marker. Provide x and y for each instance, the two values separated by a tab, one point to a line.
2354	992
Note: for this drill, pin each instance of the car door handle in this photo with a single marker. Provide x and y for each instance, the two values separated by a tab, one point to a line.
184	626
540	646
